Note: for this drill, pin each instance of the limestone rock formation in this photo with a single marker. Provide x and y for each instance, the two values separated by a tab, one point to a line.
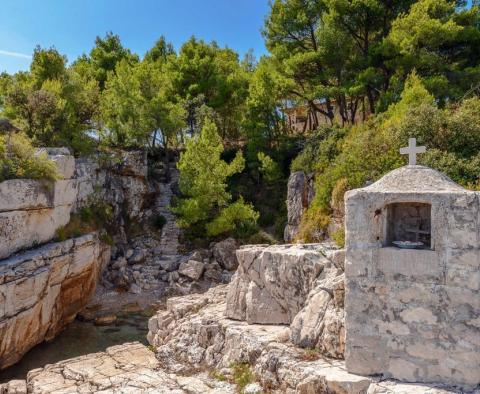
122	183
224	253
127	368
31	211
300	194
193	332
192	269
297	285
42	290
276	279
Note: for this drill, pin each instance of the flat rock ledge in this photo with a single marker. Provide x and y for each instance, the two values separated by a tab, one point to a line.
193	333
127	368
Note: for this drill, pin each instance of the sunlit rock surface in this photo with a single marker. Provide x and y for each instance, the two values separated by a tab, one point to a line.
42	290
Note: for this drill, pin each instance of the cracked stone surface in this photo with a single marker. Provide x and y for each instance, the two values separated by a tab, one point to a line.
297	285
193	332
127	368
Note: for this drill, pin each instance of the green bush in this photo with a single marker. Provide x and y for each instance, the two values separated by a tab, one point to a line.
269	168
19	159
242	375
238	219
97	216
205	204
339	237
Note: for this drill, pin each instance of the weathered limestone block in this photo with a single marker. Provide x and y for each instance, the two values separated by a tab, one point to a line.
63	159
300	193
14	387
192	269
282	278
43	289
22	194
320	324
121	184
24	229
31	211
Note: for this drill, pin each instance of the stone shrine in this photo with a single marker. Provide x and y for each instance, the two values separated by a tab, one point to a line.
413	314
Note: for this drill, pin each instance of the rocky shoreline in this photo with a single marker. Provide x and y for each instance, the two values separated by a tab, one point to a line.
196	349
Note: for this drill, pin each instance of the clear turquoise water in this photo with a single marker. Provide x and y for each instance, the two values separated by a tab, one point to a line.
78	339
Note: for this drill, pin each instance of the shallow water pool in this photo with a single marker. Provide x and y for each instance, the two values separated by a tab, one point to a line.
80	338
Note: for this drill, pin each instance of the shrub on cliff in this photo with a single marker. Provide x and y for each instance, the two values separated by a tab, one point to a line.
205	202
19	159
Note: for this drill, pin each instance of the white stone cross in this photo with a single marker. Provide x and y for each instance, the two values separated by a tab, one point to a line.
411	150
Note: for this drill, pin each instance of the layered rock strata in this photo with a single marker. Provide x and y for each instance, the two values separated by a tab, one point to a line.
42	290
31	211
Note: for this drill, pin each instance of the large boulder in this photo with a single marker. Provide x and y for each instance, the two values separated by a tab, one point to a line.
300	193
192	269
224	253
276	279
320	323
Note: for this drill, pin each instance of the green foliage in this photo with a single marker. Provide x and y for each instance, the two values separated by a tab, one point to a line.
203	176
47	64
205	74
104	57
269	168
217	375
238	219
242	375
339	237
137	105
353	54
368	151
319	150
19	159
96	216
160	52
440	41
53	105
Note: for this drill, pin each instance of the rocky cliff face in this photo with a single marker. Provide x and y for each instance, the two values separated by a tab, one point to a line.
121	182
300	194
31	211
42	290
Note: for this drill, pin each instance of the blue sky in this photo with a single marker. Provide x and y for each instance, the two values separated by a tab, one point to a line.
72	25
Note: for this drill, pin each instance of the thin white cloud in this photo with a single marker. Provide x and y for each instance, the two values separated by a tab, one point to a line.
15	54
